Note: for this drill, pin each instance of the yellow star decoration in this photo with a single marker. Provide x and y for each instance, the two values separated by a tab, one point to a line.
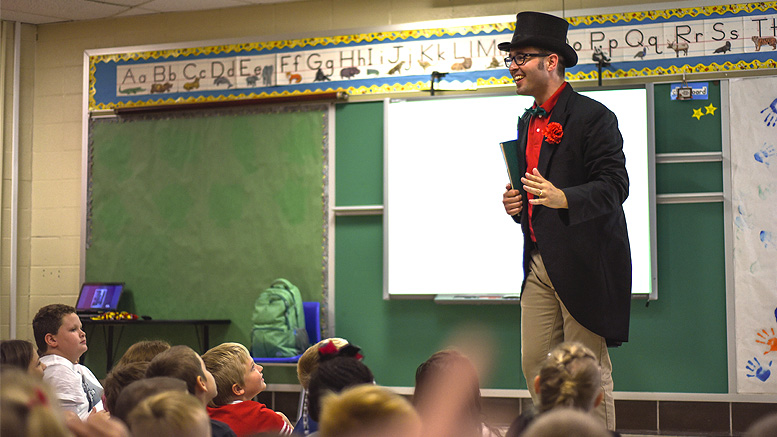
710	109
697	114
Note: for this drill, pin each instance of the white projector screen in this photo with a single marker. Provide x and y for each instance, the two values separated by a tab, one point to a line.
445	230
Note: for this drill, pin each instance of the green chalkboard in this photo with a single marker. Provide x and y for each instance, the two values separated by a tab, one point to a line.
199	212
677	130
677	343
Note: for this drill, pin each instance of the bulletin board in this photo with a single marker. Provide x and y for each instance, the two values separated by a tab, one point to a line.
199	212
754	184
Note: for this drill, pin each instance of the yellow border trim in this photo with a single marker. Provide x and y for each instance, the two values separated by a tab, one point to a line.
437	32
426	33
673	13
423	85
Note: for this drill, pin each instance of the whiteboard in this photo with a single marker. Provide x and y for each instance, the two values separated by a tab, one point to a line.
445	229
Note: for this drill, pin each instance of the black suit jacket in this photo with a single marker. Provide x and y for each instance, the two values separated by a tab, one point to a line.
585	248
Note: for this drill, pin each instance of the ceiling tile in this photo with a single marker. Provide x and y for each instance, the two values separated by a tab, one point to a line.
121	2
25	17
137	11
191	5
71	9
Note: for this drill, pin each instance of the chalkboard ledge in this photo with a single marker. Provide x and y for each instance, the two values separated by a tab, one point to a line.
477	299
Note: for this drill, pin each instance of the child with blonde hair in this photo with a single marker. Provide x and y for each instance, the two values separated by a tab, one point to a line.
238	381
170	414
28	408
308	364
368	410
309	360
565	422
569	378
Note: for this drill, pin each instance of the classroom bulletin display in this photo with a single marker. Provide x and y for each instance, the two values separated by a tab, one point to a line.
754	187
638	44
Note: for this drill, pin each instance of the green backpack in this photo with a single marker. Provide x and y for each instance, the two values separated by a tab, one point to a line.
279	322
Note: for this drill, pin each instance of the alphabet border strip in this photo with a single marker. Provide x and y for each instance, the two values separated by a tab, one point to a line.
636	44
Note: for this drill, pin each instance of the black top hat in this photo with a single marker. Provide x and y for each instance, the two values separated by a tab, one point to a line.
544	31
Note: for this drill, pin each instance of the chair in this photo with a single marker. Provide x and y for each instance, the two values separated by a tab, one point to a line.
312	312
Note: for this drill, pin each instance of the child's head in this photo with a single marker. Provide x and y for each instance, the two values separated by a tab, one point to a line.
333	376
184	363
368	410
764	427
141	389
121	376
21	354
144	350
27	407
237	376
309	360
57	331
447	366
447	394
566	422
570	377
170	414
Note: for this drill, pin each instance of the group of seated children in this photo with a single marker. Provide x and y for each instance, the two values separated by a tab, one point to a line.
159	390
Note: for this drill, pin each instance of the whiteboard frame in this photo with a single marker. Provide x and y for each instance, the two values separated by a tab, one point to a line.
510	297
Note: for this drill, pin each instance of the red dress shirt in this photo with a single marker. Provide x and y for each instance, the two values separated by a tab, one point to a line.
534	140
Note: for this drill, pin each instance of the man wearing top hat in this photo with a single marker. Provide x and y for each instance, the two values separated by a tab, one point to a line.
577	261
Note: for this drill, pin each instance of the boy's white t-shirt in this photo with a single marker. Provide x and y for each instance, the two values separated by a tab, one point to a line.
67	380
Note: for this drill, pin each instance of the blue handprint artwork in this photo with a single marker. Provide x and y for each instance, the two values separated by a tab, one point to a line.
771	114
766	238
742	218
763	155
765	191
758	371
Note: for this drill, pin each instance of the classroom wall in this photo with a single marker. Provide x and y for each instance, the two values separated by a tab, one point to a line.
687	324
51	117
50	216
51	112
26	93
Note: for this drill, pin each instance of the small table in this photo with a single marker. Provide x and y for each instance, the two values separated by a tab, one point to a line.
108	326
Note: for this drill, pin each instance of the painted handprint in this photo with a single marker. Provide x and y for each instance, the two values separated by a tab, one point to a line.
771	114
763	155
769	339
758	371
742	218
766	238
765	191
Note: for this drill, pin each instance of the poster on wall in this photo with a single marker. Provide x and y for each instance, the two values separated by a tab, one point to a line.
754	200
633	44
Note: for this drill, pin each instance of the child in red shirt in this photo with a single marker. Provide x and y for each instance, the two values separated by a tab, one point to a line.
239	380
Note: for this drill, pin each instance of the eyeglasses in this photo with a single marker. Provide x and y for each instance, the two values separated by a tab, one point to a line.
522	58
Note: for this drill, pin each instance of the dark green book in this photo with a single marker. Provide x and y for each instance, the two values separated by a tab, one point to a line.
510	154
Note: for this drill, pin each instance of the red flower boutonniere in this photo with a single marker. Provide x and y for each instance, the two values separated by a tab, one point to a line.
553	133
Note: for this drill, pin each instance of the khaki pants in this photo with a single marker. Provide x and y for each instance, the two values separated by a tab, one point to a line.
545	323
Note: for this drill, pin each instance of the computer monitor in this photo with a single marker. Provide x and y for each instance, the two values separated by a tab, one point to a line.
99	297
